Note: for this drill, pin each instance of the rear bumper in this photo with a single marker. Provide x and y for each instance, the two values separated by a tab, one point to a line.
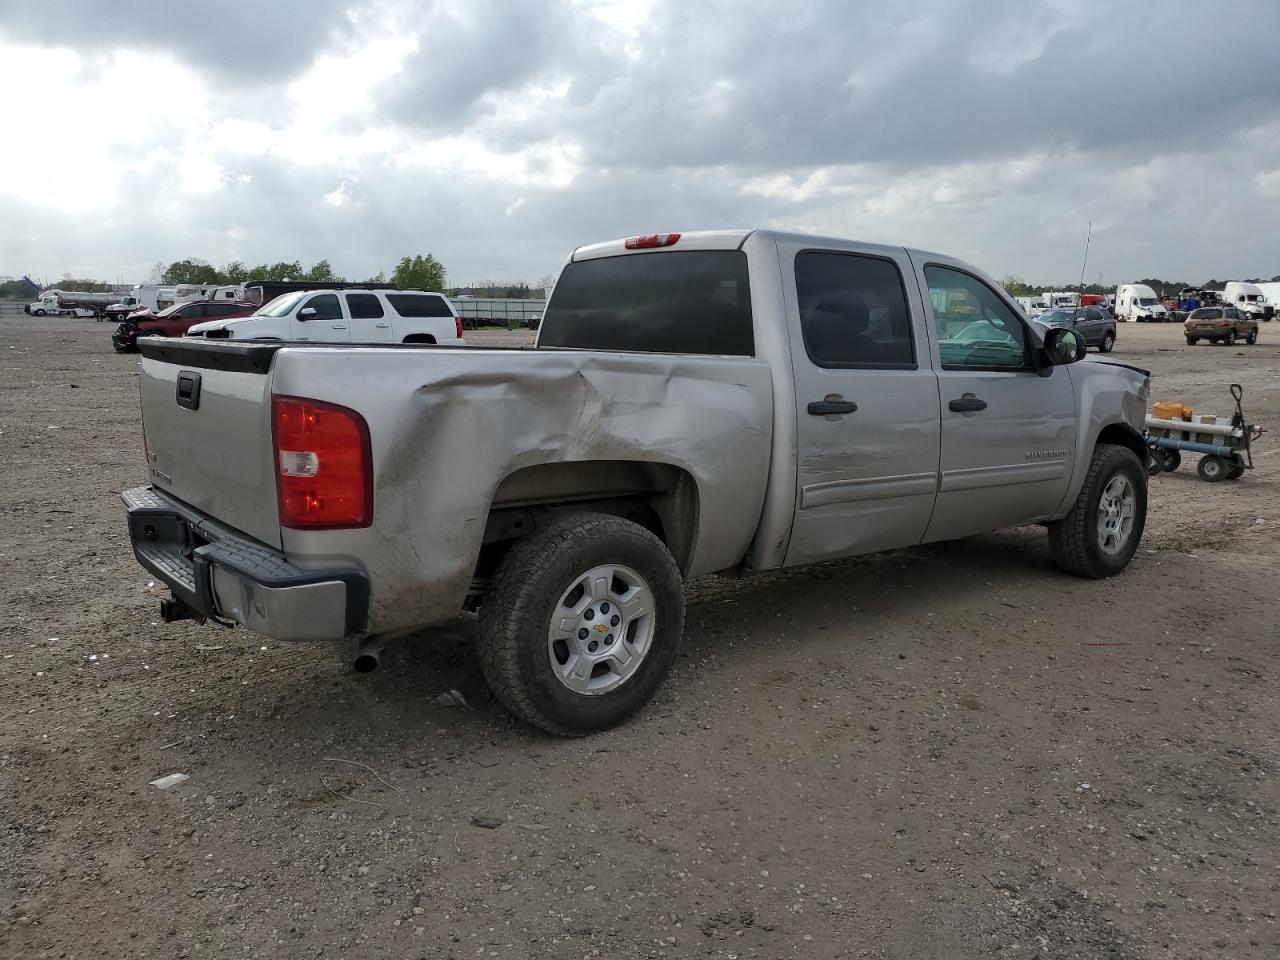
223	575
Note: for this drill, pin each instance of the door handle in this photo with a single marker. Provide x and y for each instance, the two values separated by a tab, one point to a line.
339	326
832	406
382	326
967	404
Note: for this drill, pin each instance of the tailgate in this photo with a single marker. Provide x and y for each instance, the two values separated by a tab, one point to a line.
206	413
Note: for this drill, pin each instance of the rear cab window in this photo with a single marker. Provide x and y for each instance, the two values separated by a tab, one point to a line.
419	305
694	302
853	311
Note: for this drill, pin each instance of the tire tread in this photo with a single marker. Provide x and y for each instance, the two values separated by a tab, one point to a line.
1068	537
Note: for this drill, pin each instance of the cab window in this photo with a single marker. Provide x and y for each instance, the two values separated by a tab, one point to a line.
976	329
326	307
853	311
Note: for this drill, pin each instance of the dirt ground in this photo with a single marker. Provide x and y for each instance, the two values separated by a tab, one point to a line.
950	752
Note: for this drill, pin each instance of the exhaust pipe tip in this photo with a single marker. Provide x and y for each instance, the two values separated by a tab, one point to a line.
368	654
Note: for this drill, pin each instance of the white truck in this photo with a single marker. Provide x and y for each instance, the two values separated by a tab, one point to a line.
1034	306
1138	303
1271	294
67	303
722	401
1249	299
143	296
1061	299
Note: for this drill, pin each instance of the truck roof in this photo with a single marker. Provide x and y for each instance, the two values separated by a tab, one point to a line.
716	240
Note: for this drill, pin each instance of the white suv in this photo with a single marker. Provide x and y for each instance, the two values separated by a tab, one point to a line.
345	316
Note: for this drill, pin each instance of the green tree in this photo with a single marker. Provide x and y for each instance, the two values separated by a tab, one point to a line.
323	273
191	270
235	272
419	273
1016	286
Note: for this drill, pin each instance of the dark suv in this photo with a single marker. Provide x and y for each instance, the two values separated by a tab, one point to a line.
177	320
1095	324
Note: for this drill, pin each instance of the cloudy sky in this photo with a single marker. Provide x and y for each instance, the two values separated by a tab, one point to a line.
499	134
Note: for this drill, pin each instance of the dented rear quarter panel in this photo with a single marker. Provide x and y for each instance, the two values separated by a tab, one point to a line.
448	426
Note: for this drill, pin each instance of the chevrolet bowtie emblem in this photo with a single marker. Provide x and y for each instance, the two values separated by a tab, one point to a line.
600	628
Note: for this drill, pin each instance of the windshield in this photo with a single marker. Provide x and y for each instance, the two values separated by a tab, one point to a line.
1253	298
1148	301
1207	313
281	305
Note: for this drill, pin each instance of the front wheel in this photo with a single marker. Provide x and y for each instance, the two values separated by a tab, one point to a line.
1099	536
39	313
1108	342
1252	338
581	624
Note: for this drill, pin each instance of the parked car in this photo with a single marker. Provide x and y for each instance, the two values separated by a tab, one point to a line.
174	321
720	401
338	316
1221	324
1094	324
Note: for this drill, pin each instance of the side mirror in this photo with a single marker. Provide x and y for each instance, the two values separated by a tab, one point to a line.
307	313
1063	346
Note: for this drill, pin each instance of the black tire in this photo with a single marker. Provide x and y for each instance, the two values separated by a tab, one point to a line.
1074	541
1212	469
517	611
1108	341
39	313
1252	338
1192	341
1235	471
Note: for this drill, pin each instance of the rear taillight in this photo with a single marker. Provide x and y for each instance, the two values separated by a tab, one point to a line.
324	466
1224	323
649	241
457	322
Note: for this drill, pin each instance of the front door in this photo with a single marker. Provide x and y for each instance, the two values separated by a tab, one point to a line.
329	325
1008	434
866	401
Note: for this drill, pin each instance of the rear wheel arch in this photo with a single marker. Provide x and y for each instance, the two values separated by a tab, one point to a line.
662	498
419	338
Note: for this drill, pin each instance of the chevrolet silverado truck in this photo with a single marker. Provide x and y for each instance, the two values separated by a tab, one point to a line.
727	401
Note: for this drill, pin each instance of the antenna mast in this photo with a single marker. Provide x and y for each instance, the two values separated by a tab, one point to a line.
1085	262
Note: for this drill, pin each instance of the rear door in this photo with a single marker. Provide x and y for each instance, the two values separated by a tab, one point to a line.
866	401
1008	434
329	325
421	315
369	322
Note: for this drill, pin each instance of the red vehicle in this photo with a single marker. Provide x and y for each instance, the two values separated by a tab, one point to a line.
175	321
1090	299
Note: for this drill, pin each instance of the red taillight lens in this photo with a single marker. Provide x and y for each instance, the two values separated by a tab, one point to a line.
324	466
649	241
1224	323
457	322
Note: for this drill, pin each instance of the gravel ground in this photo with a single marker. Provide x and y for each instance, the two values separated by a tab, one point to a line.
949	752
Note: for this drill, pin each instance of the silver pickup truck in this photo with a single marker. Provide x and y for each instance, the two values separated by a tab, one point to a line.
720	401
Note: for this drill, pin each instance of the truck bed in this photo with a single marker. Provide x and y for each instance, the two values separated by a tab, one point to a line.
455	431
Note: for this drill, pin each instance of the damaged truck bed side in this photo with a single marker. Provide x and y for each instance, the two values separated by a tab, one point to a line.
698	403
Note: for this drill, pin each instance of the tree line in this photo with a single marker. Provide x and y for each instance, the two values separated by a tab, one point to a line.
421	272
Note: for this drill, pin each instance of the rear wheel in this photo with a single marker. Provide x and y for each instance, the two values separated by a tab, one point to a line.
1192	341
1108	341
1212	469
1252	338
581	624
1099	536
1235	471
